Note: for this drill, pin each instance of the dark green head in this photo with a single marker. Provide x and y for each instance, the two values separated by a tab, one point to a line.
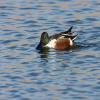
43	40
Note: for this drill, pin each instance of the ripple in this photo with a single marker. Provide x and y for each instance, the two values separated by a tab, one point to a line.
27	73
8	41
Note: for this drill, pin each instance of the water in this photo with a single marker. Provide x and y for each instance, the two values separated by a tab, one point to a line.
28	74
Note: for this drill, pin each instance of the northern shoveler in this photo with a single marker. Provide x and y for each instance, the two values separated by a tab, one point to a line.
60	41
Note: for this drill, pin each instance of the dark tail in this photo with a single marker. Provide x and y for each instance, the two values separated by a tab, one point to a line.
70	29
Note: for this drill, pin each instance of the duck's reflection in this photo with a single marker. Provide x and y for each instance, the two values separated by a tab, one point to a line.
44	53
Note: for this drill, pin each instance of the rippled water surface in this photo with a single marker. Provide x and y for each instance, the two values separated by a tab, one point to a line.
29	74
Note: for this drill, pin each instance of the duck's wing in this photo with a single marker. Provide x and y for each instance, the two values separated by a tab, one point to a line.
67	33
72	37
55	36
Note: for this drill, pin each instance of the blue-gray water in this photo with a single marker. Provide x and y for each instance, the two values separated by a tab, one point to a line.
28	74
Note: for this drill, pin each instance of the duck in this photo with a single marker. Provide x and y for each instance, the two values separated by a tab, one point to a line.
60	41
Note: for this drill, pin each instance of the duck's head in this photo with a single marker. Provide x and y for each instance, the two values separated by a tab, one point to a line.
43	40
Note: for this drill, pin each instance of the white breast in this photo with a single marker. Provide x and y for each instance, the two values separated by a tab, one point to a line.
52	43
